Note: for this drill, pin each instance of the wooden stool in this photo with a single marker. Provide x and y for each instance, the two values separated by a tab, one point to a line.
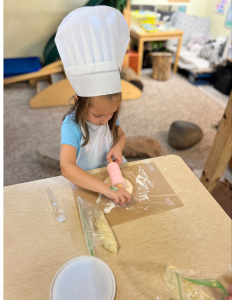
161	65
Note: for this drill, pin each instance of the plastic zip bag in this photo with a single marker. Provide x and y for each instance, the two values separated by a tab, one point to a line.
151	194
96	229
191	285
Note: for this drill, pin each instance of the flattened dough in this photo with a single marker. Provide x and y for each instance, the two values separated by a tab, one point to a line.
128	187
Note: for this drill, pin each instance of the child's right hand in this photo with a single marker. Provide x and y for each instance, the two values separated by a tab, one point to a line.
118	196
229	289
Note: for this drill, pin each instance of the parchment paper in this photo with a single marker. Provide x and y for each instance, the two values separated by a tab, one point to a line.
152	194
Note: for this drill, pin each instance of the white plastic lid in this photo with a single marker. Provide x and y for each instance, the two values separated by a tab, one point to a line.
83	278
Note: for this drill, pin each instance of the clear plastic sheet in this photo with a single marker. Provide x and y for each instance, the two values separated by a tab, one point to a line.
191	285
96	229
151	194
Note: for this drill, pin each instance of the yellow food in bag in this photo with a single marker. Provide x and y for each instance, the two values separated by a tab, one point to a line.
105	230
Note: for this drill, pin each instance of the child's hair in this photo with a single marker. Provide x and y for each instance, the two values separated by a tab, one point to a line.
80	108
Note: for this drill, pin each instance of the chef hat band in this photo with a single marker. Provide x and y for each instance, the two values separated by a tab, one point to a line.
92	42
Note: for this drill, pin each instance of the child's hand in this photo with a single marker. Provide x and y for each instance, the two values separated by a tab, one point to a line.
119	196
229	289
117	153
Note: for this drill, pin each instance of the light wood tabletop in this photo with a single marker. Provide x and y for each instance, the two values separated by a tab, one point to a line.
195	236
142	36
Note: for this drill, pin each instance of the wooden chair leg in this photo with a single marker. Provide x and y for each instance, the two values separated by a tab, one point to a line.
220	152
175	67
140	51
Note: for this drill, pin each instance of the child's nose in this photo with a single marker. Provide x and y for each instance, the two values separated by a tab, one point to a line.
105	121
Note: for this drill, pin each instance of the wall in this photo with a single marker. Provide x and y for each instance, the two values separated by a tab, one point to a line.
200	8
217	20
194	7
157	2
28	24
197	7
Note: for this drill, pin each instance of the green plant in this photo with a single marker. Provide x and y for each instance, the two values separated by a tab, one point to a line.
118	4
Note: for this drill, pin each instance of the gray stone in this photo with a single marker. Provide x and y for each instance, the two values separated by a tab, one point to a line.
138	146
141	146
183	135
49	156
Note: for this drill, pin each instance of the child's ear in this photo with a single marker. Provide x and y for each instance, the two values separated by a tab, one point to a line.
76	97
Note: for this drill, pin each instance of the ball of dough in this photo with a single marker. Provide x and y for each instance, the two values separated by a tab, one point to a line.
128	185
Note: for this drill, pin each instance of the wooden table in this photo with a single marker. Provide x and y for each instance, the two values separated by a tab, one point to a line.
143	36
196	236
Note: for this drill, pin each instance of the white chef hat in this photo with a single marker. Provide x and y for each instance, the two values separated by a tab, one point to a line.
92	42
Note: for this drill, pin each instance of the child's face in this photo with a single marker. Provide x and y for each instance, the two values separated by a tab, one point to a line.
102	109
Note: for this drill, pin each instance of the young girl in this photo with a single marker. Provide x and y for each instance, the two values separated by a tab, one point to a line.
92	42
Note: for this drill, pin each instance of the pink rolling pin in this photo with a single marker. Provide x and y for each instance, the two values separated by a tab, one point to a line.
115	174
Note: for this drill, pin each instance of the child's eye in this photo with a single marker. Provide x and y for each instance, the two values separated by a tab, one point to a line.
96	116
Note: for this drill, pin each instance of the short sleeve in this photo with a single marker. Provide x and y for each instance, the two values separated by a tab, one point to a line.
71	134
117	122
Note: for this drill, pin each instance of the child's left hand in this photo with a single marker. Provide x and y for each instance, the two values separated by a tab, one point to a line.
117	153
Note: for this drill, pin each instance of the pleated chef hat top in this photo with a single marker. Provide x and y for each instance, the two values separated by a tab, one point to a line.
92	42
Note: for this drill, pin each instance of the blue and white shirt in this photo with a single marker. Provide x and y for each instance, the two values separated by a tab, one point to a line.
71	133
